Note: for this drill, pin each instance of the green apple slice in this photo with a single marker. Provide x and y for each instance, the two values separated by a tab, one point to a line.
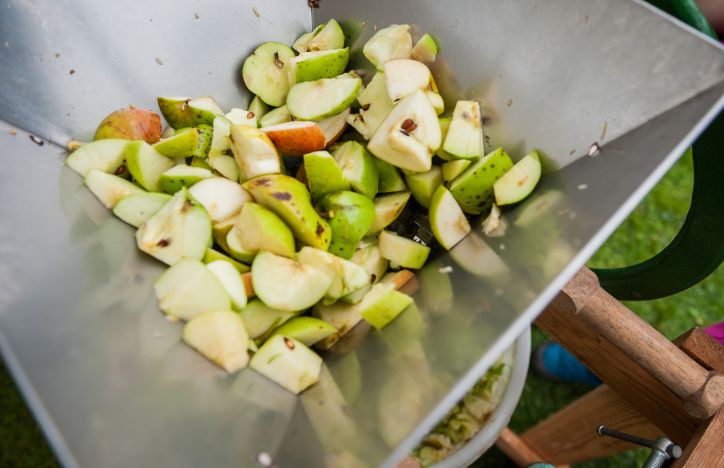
375	104
464	138
405	76
224	165
324	37
390	179
261	319
392	42
346	277
276	116
306	330
473	189
423	185
180	145
109	189
203	143
452	169
260	229
146	164
130	124
212	255
103	155
408	135
402	252
323	174
265	72
425	49
178	230
358	168
311	66
290	200
387	209
288	363
220	336
222	198
254	152
237	249
519	181
350	217
230	279
317	100
181	112
188	289
286	284
137	208
447	219
388	304
172	180
258	107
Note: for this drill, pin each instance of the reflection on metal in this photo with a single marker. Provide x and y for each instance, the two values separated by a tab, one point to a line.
105	373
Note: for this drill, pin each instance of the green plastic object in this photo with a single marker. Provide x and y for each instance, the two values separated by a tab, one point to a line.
698	248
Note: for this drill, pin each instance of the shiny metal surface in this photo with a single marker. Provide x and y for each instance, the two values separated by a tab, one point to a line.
106	374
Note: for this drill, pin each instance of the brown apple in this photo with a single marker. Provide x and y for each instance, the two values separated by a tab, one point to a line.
296	138
130	124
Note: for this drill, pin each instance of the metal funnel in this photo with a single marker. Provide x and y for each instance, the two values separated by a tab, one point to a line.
103	371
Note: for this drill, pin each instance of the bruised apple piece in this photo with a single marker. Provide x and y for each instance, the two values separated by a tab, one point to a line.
290	200
178	230
103	155
286	284
296	138
346	277
220	336
306	330
473	189
172	180
387	209
326	36
182	112
130	124
288	363
464	139
265	72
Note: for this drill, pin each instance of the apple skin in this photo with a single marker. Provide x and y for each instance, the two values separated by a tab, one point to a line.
291	201
350	217
296	138
130	124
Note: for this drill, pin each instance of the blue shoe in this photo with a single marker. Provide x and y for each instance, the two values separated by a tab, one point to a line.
552	361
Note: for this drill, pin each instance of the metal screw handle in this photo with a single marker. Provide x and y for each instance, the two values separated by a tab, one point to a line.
662	448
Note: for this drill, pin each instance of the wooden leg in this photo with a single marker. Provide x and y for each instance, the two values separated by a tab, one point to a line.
705	448
518	451
569	436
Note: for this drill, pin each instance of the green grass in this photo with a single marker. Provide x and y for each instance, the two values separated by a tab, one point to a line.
649	228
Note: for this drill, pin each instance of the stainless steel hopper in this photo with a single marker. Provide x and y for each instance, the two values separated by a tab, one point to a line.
105	374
